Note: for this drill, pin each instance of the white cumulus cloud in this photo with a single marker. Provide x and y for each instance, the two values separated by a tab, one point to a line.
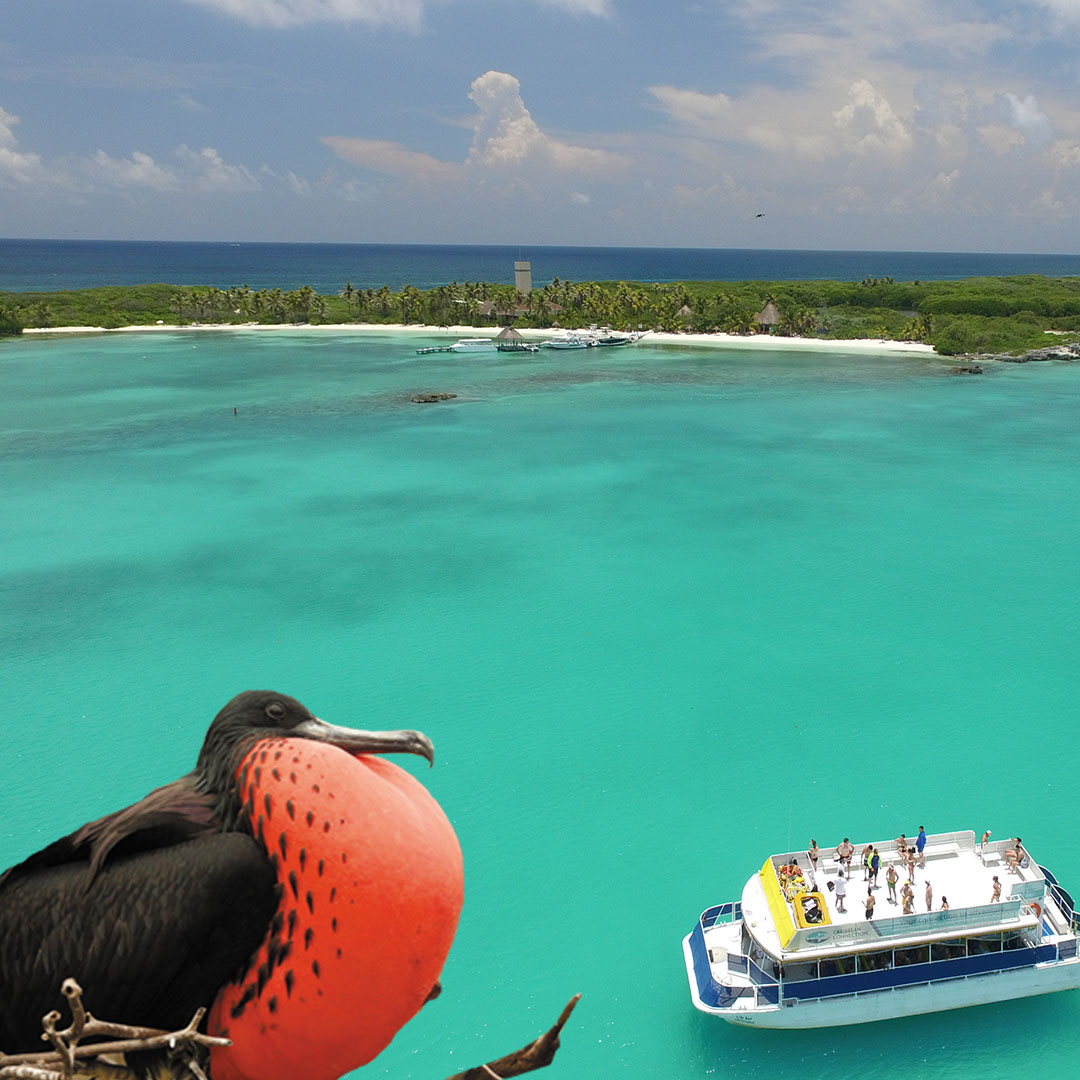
206	171
16	166
138	170
1028	118
506	136
869	123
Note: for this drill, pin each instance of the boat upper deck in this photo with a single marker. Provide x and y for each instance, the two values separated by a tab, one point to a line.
955	866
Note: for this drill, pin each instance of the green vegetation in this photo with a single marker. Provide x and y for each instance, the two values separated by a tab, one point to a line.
1010	314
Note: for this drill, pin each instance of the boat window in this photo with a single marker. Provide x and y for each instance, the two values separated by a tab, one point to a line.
1014	941
988	943
837	965
948	950
800	972
917	954
875	961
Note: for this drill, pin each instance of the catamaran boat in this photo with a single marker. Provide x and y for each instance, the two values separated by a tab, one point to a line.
999	926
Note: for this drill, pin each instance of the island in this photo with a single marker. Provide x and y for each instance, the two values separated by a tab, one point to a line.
1024	316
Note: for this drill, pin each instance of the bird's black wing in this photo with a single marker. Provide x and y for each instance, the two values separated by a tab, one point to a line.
156	936
168	815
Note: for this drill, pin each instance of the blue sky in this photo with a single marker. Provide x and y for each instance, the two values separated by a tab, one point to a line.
898	124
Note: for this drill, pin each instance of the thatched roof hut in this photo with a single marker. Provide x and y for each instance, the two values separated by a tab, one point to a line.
509	340
768	317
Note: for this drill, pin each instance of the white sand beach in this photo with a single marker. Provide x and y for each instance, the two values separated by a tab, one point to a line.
452	333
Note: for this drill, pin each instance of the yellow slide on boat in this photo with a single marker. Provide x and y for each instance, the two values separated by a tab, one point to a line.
818	911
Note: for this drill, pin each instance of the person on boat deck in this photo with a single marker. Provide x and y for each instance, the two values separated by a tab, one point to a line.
844	852
841	892
920	846
869	905
866	852
929	897
985	838
1015	856
901	846
911	864
944	903
907	894
812	851
997	891
892	877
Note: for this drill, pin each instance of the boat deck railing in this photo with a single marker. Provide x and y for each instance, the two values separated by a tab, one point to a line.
1063	900
722	913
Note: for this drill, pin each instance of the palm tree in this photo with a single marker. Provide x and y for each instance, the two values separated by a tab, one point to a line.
276	305
10	322
409	299
306	298
797	321
348	292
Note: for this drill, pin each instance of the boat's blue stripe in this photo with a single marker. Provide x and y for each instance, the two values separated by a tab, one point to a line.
833	985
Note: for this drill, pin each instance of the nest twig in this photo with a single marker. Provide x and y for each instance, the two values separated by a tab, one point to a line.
69	1050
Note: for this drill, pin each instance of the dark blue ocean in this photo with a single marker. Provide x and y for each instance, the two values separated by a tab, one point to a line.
32	265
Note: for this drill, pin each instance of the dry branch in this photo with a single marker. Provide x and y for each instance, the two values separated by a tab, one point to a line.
539	1053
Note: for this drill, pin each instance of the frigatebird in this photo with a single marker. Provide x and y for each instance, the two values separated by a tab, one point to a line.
305	890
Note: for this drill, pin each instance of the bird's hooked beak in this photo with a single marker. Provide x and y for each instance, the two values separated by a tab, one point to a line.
366	742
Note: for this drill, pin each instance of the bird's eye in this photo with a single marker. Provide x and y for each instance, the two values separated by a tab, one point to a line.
275	710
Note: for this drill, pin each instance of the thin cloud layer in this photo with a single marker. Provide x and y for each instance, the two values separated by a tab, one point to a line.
397	14
390	158
600	8
286	14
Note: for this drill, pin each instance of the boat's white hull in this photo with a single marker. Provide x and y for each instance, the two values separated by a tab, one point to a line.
474	345
889	1004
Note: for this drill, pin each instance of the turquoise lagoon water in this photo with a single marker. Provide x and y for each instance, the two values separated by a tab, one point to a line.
663	611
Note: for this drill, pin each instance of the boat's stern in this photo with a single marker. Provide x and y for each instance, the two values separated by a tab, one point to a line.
724	981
